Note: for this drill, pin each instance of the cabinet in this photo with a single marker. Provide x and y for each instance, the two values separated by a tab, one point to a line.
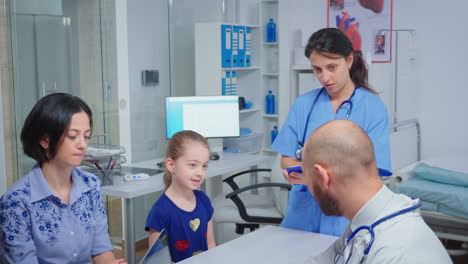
253	80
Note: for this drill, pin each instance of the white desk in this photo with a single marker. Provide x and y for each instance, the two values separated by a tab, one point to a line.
270	244
230	162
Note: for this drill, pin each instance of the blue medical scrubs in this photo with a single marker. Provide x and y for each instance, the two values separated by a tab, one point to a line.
368	111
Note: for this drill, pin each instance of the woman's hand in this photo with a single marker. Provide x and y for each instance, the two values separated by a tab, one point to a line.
118	261
107	258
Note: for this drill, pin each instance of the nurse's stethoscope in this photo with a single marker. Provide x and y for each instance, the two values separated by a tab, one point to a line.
348	113
371	231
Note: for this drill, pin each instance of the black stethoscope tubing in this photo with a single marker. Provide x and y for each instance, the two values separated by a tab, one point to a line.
301	143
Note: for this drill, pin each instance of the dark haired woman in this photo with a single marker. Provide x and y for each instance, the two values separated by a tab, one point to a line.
345	95
55	214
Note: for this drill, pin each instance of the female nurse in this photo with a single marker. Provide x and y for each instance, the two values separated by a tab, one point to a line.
345	95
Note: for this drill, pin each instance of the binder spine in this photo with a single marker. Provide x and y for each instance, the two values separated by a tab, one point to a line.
235	46
226	83
226	46
241	55
248	46
233	86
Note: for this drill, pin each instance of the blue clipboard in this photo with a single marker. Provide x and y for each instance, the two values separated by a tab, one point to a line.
158	252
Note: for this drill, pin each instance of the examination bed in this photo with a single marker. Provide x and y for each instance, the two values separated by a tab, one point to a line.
441	183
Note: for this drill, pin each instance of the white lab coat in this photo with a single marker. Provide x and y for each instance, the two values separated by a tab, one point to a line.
405	238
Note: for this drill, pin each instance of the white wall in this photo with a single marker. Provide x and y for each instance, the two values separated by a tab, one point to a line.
431	88
2	147
142	44
440	73
147	50
183	16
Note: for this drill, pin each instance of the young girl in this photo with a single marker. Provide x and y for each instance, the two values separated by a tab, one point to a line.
182	210
55	214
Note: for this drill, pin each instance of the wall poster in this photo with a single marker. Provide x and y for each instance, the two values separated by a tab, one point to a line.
368	23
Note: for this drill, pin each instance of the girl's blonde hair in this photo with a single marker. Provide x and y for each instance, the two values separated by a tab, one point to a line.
176	148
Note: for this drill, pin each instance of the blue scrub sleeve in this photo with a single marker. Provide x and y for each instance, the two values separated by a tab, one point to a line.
286	143
304	213
379	133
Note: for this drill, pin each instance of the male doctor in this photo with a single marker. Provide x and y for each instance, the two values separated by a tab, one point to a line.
385	227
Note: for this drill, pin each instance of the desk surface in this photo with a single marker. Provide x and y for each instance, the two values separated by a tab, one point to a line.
270	244
227	164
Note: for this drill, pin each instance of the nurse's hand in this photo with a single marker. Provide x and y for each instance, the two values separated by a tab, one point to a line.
294	177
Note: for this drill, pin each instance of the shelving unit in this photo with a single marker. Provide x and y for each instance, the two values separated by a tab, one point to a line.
209	72
252	82
246	111
270	66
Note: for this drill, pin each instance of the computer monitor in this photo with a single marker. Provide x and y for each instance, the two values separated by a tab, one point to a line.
210	116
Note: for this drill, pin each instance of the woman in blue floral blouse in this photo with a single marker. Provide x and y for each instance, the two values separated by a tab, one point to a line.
56	214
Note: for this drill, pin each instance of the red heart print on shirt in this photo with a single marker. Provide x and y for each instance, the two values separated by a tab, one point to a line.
181	245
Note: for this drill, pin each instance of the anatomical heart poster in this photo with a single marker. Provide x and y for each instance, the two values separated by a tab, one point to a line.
368	23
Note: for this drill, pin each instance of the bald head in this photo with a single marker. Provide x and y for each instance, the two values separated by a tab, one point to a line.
342	146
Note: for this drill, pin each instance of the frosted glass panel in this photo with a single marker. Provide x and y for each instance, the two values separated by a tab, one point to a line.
52	47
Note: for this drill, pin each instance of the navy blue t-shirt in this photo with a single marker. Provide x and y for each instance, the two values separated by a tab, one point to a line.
187	231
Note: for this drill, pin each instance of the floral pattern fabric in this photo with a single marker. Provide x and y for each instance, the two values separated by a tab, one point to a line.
36	226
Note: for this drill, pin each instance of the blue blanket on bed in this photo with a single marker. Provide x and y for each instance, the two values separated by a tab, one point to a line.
440	175
440	190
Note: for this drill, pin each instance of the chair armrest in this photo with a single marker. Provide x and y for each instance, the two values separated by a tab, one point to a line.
257	186
241	207
230	179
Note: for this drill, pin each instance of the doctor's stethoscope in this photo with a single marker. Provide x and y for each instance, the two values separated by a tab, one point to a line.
348	113
370	229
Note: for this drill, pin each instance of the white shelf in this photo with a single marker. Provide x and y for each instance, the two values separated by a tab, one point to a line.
270	74
270	115
241	68
270	43
301	67
244	111
269	150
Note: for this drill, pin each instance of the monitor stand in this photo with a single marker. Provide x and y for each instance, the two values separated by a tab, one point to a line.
216	148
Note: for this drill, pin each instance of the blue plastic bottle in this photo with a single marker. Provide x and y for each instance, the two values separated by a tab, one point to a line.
274	133
270	103
271	31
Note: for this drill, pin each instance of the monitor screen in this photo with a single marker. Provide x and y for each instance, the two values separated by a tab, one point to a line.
210	116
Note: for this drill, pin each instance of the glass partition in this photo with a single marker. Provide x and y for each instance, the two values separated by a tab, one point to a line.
63	46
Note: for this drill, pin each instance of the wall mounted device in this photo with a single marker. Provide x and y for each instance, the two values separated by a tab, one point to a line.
149	77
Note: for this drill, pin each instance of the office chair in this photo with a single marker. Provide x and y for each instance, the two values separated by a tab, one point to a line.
246	209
